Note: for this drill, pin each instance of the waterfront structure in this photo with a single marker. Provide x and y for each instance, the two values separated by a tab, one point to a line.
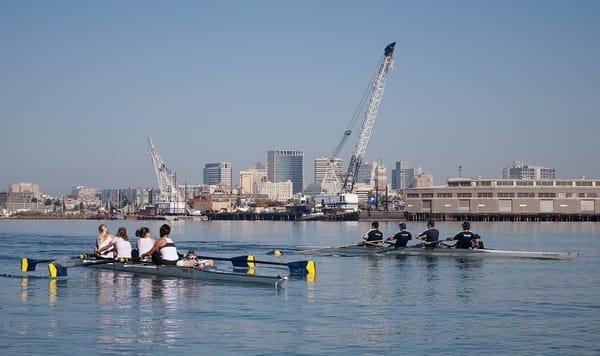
507	197
519	170
23	193
86	195
424	180
277	191
188	191
217	173
283	165
3	198
322	164
30	188
255	173
403	176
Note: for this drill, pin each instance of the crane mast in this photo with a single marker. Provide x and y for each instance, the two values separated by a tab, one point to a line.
370	113
167	182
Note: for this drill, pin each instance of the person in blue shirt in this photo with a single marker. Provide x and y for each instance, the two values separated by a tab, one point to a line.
373	236
431	235
467	239
402	237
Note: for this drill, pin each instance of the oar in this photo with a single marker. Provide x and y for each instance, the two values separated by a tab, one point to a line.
297	268
57	270
29	264
309	251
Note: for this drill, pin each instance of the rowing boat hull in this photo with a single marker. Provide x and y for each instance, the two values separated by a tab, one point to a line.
442	252
193	273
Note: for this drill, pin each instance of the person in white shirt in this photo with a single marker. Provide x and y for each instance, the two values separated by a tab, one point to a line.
103	241
121	245
144	242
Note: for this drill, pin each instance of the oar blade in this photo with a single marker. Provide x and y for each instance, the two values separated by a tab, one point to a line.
29	264
55	270
303	268
243	261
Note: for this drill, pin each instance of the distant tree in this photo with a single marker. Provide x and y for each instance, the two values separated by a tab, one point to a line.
34	200
81	208
48	202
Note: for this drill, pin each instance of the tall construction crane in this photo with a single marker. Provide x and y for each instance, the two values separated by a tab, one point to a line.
370	113
171	200
333	183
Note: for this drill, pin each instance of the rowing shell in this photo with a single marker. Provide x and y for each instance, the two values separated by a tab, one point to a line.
439	251
190	272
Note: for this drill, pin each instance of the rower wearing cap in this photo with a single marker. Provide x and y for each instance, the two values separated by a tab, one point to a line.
431	235
467	239
401	237
373	236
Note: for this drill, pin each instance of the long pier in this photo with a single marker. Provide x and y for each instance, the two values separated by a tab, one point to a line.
502	217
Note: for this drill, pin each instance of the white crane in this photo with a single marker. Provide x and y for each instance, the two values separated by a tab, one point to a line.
370	114
167	182
336	191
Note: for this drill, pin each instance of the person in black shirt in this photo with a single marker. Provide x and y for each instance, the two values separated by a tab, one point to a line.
467	239
431	235
373	236
402	237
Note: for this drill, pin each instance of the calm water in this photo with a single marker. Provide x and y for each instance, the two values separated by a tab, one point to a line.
355	305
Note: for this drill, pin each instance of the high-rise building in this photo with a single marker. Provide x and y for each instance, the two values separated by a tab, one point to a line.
217	173
253	174
25	188
366	173
380	176
520	170
403	176
322	164
285	165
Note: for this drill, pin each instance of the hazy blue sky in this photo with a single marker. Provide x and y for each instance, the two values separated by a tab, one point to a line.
82	83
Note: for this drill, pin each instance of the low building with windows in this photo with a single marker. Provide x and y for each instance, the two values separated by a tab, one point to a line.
477	196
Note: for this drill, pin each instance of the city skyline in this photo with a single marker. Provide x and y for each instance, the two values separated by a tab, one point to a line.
215	82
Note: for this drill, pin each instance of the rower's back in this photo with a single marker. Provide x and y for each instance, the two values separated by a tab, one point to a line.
144	242
374	235
168	252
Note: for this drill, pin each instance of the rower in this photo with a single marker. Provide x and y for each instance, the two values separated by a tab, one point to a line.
373	237
102	241
164	251
120	244
144	242
467	239
401	237
431	235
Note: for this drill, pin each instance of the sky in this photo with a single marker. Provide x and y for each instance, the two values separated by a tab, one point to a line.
475	83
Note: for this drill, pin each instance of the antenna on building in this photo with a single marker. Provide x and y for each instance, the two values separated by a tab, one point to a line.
460	171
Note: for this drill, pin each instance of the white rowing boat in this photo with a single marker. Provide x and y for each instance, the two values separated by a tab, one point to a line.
189	272
356	250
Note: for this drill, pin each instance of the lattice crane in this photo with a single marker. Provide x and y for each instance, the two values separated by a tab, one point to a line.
369	108
167	179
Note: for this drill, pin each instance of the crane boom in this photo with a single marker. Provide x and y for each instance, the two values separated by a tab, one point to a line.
166	178
370	114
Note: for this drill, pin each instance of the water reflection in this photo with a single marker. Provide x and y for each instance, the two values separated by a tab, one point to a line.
52	292
24	289
467	273
154	300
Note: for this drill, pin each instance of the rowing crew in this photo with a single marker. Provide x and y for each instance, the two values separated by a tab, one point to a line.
161	252
465	239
